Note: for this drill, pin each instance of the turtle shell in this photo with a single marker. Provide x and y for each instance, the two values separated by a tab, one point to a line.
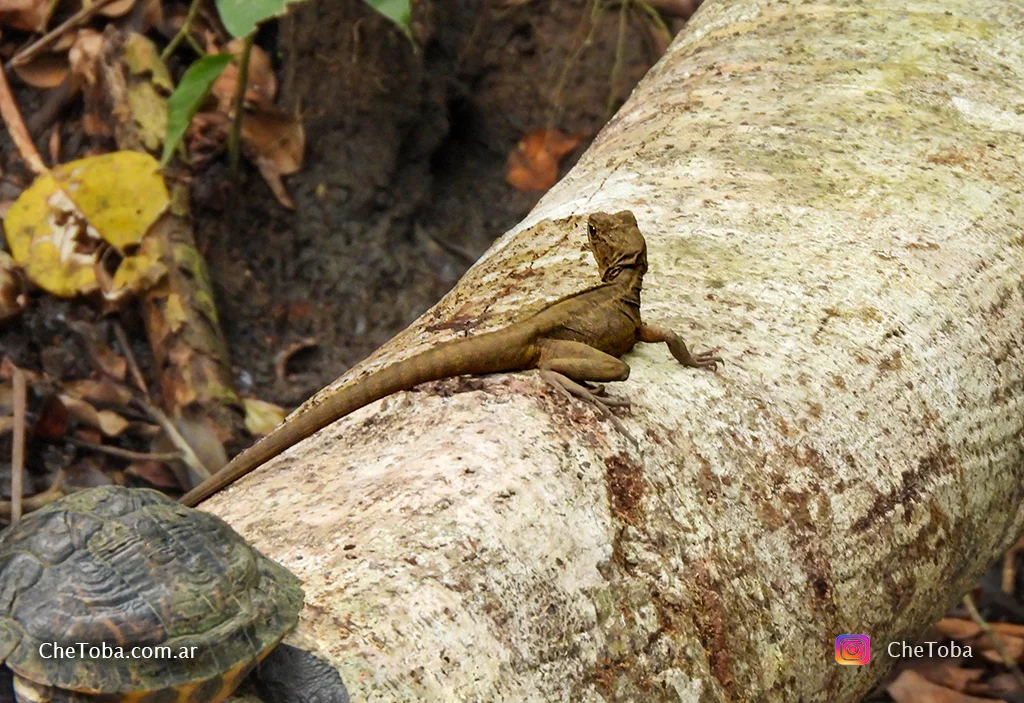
122	568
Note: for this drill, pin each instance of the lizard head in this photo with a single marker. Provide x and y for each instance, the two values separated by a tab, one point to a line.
617	243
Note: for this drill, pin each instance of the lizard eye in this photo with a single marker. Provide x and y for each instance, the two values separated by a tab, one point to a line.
591	229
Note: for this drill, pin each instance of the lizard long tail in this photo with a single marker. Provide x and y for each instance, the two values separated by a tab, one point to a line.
486	353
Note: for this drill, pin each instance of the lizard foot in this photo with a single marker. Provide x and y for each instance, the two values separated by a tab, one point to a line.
706	360
676	345
611	401
571	389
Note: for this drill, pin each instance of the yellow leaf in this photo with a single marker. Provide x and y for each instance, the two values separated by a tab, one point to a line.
261	417
63	224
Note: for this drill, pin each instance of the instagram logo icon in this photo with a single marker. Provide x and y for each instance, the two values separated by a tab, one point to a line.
853	650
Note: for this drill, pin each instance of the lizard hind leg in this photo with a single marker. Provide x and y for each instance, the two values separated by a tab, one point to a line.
568	366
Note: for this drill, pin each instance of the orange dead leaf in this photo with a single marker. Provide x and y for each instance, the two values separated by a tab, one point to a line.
118	8
107	421
155	473
1013	646
275	142
103	391
261	87
45	70
911	687
26	15
1001	686
957	629
534	163
947	674
86	473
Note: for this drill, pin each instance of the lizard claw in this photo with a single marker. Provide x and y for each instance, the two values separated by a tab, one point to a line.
707	360
611	401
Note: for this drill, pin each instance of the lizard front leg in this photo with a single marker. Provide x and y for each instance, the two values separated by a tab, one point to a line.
568	365
676	345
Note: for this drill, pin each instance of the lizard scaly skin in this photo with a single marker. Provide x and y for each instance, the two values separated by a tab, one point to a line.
573	341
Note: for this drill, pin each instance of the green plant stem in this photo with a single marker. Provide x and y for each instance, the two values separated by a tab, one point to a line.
234	138
620	52
183	33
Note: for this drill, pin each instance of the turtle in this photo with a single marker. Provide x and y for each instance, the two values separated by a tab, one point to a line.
91	587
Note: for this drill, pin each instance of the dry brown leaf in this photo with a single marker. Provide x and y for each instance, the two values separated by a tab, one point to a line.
107	421
86	473
112	363
84	58
46	70
155	473
118	8
911	687
26	15
64	41
12	288
90	435
52	422
84	55
1002	685
261	84
534	163
206	136
102	390
1014	647
153	16
1007	628
277	137
957	628
948	674
275	142
53	145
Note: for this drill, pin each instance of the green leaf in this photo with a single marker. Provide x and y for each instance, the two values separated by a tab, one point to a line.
395	10
188	97
240	17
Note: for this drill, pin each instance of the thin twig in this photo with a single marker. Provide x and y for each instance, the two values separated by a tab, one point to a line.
124	453
1009	574
43	42
18	453
17	129
188	456
133	364
1008	661
234	137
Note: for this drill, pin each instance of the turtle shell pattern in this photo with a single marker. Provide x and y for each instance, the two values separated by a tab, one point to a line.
131	567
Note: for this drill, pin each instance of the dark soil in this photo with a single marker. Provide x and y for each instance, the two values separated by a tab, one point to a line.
403	185
402	188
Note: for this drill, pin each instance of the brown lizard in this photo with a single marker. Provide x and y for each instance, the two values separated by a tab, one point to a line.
573	341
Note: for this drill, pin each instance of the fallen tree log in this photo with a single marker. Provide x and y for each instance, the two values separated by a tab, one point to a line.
831	194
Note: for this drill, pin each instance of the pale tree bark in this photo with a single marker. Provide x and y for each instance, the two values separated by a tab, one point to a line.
831	192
